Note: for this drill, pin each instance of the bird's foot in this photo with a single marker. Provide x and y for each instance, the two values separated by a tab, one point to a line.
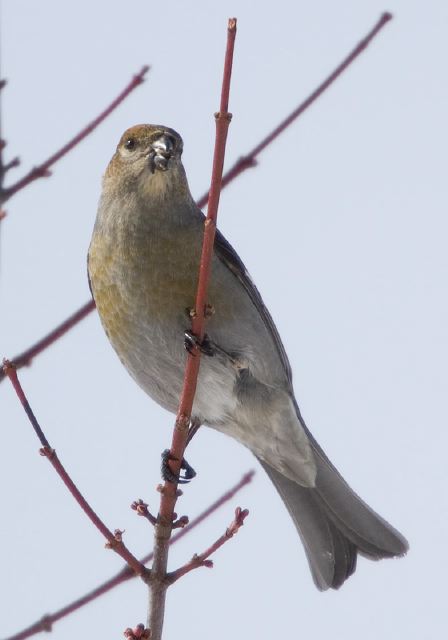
191	341
169	476
210	348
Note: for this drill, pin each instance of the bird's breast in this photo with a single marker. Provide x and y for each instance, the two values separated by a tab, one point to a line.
144	286
143	278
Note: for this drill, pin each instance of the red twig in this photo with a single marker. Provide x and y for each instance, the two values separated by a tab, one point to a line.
202	559
46	622
42	170
245	162
25	358
249	160
169	494
114	540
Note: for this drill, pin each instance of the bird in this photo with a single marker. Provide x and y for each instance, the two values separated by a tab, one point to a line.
143	263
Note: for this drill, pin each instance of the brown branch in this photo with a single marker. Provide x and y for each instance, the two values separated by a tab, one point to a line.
202	559
245	162
163	528
46	622
42	170
114	540
25	358
11	164
249	160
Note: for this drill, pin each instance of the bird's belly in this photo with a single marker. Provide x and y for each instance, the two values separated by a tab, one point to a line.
157	362
149	340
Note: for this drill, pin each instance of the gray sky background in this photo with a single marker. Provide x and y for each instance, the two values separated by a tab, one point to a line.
343	227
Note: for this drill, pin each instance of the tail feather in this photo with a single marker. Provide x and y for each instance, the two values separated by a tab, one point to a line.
331	556
334	523
372	534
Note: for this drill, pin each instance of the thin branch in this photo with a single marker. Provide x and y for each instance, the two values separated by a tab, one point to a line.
114	540
11	164
24	359
163	528
202	559
141	508
249	160
46	622
245	162
42	170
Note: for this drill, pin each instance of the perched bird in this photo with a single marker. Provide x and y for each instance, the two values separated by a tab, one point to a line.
143	267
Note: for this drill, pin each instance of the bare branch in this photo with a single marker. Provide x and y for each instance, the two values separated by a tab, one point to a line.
202	559
114	540
163	528
25	358
141	508
249	160
12	164
43	170
46	622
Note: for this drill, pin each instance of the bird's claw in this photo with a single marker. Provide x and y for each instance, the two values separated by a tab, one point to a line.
191	341
169	476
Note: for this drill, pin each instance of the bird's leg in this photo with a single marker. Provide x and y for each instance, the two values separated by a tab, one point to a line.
192	431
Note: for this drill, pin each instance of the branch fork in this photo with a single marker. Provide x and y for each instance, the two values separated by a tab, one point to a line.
114	540
126	573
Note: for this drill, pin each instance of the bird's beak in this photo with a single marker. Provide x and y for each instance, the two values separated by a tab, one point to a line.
161	152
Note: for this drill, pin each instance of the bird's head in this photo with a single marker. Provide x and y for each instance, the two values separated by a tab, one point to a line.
147	159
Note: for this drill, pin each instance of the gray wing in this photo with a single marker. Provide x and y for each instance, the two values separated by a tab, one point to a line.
227	254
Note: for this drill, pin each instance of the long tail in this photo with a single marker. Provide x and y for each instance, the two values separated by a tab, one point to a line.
334	523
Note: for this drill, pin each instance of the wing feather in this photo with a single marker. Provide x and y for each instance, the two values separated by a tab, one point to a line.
227	254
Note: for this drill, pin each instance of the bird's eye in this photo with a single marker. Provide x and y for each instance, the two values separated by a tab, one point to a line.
130	144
